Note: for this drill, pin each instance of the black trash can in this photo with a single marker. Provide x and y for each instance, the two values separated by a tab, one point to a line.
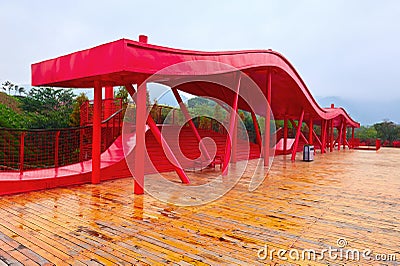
308	153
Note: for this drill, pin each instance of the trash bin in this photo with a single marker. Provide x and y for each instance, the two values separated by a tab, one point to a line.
308	153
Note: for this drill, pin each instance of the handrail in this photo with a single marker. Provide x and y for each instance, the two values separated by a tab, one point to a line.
61	129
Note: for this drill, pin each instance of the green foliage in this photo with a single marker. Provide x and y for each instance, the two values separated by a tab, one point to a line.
11	119
50	107
387	131
123	94
75	117
365	133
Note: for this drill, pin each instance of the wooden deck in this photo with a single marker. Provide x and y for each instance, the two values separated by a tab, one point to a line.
353	195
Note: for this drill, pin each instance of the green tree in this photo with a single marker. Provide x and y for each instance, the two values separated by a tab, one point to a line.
50	107
75	118
387	131
365	133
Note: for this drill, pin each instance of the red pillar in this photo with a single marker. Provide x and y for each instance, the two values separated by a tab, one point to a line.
191	124
323	135
267	119
298	132
340	135
352	137
344	135
157	134
332	136
234	142
108	107
140	137
231	126
310	132
285	134
96	142
257	129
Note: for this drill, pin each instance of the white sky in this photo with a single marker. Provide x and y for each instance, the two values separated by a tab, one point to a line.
344	48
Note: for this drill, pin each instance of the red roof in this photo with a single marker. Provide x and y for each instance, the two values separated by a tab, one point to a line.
125	61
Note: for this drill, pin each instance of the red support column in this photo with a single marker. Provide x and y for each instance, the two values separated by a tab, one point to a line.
257	129
140	137
231	126
323	135
298	132
108	107
234	142
344	135
340	135
96	142
191	124
157	134
285	134
310	131
352	137
332	136
268	120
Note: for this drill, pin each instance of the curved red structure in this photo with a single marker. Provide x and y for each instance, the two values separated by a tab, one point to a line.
126	62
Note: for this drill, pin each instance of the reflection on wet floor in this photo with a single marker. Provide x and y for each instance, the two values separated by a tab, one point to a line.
348	195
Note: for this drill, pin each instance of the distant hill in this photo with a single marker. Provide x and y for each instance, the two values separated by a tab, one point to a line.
9	102
367	112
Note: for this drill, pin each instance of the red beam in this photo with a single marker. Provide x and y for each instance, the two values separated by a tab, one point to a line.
160	139
257	129
301	133
231	125
96	142
317	138
285	133
191	124
268	119
310	132
340	135
296	141
331	140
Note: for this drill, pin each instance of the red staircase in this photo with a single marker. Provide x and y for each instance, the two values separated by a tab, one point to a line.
189	146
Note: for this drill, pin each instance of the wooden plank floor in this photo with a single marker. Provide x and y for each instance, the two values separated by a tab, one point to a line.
354	195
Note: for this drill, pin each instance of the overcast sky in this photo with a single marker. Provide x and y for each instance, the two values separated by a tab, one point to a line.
340	48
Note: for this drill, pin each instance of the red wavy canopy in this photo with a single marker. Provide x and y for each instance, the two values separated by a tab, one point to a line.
126	61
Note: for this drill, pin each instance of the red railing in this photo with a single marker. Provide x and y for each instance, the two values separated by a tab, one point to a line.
22	150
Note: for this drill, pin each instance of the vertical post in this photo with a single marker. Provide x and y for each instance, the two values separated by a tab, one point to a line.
140	137
234	142
96	142
267	119
108	107
285	134
21	152
332	136
231	125
310	133
323	135
256	129
159	138
352	137
340	135
56	148
190	121
344	135
298	132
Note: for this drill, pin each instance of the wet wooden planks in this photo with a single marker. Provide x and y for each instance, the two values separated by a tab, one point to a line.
352	195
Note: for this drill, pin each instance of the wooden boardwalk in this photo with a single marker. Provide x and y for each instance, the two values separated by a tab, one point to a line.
353	195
